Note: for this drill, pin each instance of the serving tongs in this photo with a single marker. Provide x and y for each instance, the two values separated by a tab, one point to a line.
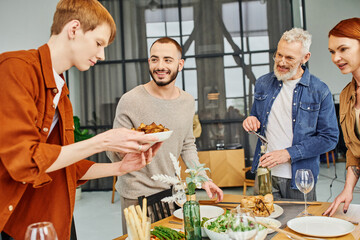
261	137
263	140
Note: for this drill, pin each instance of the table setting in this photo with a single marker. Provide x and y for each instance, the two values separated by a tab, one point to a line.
290	219
239	217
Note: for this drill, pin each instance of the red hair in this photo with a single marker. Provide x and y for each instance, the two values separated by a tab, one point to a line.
90	14
349	28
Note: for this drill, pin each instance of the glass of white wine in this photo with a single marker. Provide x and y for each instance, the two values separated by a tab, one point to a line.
179	192
41	231
304	180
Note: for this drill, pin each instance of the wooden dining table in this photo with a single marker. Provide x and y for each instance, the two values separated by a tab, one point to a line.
291	210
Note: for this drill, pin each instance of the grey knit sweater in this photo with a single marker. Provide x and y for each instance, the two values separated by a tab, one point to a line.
138	106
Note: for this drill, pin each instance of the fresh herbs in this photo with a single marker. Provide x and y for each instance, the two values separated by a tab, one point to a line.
220	224
203	220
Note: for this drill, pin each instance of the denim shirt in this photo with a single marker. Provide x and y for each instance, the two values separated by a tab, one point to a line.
314	127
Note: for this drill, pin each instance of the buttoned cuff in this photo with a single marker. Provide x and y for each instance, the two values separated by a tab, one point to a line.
44	158
295	153
81	168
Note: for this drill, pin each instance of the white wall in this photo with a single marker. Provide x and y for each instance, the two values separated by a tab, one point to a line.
321	17
25	24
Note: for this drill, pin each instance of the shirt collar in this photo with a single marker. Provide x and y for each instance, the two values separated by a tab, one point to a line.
305	79
45	58
46	66
351	91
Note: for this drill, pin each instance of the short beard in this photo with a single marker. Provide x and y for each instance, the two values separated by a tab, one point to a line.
286	76
161	84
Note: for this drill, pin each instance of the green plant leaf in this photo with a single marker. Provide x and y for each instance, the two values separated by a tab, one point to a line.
80	135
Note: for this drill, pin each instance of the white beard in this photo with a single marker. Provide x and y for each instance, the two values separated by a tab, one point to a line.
285	76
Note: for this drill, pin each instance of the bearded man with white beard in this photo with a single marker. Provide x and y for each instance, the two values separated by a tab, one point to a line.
294	110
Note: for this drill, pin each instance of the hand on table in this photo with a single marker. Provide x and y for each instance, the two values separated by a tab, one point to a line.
345	197
212	190
274	158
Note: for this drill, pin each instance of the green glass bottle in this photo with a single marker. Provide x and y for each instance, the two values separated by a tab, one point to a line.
264	176
191	211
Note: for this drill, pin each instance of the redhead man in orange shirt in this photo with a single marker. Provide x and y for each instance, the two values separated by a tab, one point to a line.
40	165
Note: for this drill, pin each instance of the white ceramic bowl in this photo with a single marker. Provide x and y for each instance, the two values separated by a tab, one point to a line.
262	234
162	136
214	235
203	232
223	236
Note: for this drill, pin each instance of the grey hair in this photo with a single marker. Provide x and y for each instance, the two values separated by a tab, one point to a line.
298	35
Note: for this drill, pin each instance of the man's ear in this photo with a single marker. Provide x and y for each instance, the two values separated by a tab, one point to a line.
73	27
306	58
181	64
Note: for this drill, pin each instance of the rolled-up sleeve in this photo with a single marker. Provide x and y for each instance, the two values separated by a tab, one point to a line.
351	160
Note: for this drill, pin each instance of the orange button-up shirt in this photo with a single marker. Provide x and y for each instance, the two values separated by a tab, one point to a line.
27	193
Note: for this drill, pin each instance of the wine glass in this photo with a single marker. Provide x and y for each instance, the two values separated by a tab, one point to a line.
179	192
304	180
242	224
41	231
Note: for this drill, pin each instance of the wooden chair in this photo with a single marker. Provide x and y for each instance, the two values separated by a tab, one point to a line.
332	156
248	182
113	189
155	204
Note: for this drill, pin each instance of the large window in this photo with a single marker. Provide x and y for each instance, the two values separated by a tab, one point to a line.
226	46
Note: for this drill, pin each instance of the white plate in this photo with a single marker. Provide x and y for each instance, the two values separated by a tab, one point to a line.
162	136
269	221
205	211
278	211
317	226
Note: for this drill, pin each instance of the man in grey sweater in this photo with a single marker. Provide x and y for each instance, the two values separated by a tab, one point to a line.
159	101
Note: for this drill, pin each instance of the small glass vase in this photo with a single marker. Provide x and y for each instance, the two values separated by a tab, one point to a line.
191	211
